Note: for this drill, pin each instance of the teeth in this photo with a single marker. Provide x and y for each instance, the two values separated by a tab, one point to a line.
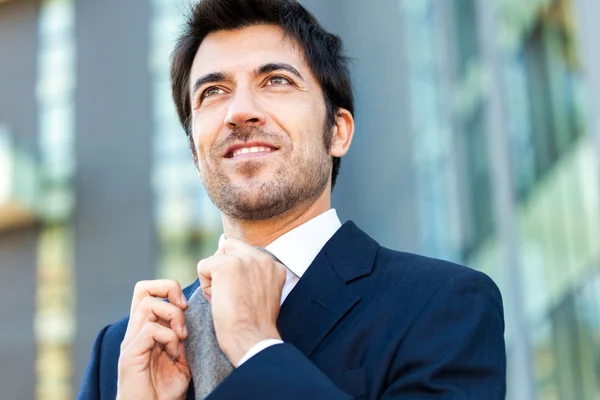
245	150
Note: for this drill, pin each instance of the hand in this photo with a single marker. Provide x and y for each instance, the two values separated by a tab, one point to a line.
244	287
152	364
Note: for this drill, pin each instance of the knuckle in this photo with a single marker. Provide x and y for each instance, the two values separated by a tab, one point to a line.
139	286
281	272
237	263
145	304
264	258
231	262
171	283
231	259
204	265
217	273
149	328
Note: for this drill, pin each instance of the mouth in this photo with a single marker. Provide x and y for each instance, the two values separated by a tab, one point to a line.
249	150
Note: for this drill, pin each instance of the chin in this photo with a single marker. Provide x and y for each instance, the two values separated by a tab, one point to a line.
254	207
249	183
252	170
250	193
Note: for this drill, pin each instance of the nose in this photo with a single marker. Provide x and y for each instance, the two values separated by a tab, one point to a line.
244	111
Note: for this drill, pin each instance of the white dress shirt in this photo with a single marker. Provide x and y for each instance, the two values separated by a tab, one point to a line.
297	249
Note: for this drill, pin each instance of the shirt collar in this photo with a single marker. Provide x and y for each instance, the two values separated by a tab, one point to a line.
298	248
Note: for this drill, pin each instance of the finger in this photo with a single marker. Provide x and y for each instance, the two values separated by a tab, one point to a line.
164	288
208	268
244	251
238	246
205	269
207	295
152	309
251	256
149	336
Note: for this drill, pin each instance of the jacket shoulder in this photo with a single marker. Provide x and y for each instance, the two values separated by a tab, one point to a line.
110	350
426	276
113	337
100	378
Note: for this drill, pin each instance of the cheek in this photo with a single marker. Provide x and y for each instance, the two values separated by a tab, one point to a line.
205	129
297	117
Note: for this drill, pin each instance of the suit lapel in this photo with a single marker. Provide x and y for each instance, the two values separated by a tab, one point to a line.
322	298
314	306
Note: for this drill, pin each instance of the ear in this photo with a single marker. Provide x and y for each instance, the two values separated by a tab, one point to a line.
343	132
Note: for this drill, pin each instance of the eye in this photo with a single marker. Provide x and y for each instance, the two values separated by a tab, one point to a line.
278	80
211	91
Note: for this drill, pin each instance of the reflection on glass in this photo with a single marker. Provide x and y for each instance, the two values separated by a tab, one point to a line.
433	160
187	223
550	94
54	319
545	362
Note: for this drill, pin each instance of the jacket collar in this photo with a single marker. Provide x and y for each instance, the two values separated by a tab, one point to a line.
351	252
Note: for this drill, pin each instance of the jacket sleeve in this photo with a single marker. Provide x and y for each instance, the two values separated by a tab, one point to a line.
90	386
453	350
278	372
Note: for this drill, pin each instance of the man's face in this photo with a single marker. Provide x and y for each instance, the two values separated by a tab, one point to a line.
258	123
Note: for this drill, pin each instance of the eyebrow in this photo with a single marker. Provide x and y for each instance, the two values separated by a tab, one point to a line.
214	77
271	67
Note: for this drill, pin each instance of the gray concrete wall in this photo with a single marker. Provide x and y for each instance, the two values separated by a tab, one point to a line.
18	69
17	308
113	221
376	185
18	248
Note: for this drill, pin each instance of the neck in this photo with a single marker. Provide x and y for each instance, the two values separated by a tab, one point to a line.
262	233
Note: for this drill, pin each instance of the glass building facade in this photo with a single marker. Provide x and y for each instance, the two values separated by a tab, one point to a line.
537	86
477	141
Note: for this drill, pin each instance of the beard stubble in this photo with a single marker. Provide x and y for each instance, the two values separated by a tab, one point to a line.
300	178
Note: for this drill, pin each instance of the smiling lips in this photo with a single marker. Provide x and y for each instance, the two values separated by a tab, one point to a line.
246	150
250	150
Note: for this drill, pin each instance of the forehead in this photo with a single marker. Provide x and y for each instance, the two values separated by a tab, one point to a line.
245	49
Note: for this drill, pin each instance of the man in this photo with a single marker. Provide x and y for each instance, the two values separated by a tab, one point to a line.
264	94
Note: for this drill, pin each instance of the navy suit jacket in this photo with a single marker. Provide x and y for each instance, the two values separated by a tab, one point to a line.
363	322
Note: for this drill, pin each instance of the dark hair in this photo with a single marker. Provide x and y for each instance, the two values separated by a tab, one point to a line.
322	51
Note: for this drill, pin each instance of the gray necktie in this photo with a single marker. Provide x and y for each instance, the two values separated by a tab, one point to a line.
207	363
